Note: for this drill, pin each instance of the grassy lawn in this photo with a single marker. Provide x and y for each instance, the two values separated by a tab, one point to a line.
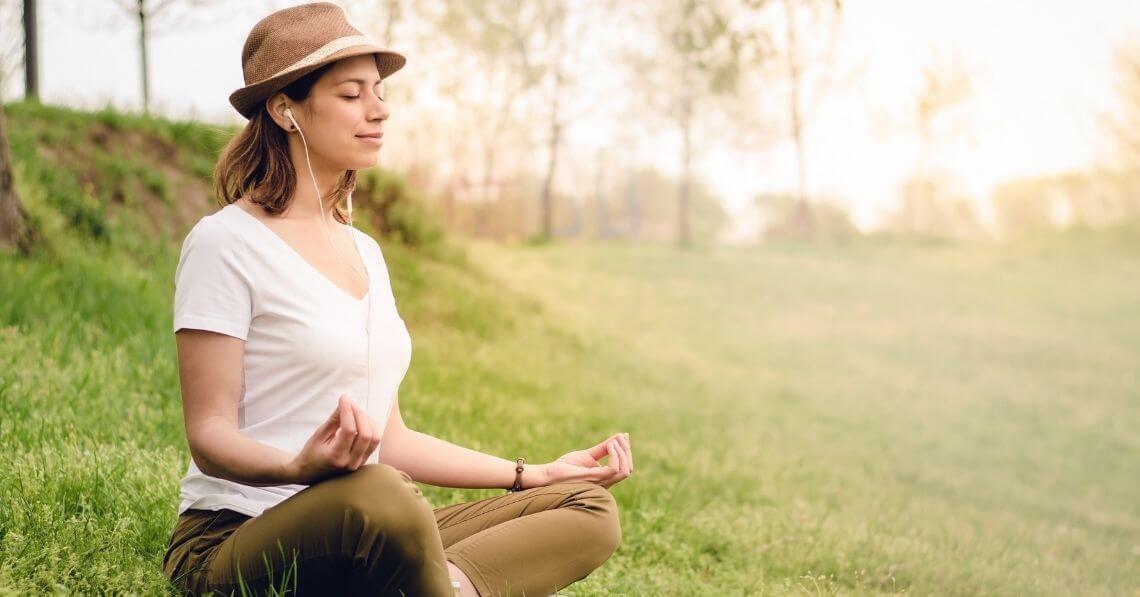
835	419
865	418
862	418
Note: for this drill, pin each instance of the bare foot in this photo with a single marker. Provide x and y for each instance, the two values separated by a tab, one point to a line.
466	589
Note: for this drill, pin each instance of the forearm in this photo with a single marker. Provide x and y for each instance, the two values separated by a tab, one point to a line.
227	454
437	462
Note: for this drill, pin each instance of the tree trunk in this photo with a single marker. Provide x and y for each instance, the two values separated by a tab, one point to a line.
547	200
599	199
803	220
142	53
683	233
633	208
15	228
392	9
31	53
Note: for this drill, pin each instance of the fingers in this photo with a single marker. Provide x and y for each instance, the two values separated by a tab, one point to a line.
600	450
374	442
331	424
358	435
621	459
363	437
346	433
366	438
628	451
624	453
615	457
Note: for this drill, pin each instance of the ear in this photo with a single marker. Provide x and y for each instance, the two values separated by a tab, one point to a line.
276	105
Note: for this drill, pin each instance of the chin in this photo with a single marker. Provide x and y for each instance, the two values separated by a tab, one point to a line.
366	160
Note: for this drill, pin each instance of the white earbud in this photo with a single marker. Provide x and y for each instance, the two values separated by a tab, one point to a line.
288	113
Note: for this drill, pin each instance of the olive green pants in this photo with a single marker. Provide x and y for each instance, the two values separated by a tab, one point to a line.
373	532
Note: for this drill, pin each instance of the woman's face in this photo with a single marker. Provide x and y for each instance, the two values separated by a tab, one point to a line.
344	113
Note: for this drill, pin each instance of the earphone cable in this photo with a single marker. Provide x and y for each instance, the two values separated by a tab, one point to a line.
356	245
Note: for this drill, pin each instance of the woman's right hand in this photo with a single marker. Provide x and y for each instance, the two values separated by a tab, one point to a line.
341	444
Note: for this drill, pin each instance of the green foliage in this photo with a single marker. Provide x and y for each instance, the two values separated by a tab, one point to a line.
783	216
1095	198
931	207
643	205
398	211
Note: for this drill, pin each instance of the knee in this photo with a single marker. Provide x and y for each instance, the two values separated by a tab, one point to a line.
384	499
601	524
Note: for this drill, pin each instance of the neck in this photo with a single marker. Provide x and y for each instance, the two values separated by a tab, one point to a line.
303	204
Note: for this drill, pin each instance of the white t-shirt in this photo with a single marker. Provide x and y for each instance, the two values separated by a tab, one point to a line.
305	341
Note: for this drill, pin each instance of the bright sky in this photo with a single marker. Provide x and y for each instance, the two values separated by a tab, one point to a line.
1042	79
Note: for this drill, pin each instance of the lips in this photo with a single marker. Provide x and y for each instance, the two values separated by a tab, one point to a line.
374	139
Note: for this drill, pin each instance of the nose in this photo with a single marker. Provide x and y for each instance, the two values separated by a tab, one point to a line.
377	109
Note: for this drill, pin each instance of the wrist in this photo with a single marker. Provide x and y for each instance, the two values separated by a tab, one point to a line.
291	471
534	475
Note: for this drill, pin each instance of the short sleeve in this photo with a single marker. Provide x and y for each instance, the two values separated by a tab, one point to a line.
212	289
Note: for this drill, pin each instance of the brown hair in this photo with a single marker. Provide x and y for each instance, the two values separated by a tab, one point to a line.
255	164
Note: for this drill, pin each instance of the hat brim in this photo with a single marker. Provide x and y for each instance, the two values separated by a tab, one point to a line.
249	99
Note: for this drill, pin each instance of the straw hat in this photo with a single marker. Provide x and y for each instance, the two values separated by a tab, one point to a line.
292	42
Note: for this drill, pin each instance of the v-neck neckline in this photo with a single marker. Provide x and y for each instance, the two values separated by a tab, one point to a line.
289	248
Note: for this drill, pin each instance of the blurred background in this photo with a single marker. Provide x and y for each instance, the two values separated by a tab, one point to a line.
857	276
717	121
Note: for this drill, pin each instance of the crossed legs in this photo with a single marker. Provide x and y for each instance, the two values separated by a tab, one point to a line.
373	532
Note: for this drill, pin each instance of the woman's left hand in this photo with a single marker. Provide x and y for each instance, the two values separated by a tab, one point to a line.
583	465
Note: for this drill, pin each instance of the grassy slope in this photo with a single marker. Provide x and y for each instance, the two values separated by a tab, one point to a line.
846	419
947	420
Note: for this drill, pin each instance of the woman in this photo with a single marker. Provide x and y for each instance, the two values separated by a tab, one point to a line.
290	354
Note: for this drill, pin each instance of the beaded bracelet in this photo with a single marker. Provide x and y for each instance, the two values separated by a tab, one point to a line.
518	476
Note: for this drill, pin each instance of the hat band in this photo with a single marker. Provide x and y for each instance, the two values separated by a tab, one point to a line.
323	52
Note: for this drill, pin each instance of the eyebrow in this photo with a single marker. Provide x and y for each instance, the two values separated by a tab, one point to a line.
361	81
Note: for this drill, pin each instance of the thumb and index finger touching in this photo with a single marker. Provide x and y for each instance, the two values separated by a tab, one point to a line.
342	418
600	450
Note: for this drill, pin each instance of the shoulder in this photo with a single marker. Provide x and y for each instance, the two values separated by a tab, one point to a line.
215	238
215	230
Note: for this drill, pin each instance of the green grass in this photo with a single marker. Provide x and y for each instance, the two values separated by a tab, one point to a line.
867	417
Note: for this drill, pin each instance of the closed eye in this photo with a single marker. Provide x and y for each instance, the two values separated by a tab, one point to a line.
381	97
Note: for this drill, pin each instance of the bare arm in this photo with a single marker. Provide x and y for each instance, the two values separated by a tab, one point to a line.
436	462
210	369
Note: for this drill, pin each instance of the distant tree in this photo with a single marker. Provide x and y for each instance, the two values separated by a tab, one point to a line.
931	205
156	17
559	38
380	16
1119	188
495	33
526	50
823	18
780	217
700	50
930	202
1024	205
15	227
1089	198
634	212
1125	123
12	46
